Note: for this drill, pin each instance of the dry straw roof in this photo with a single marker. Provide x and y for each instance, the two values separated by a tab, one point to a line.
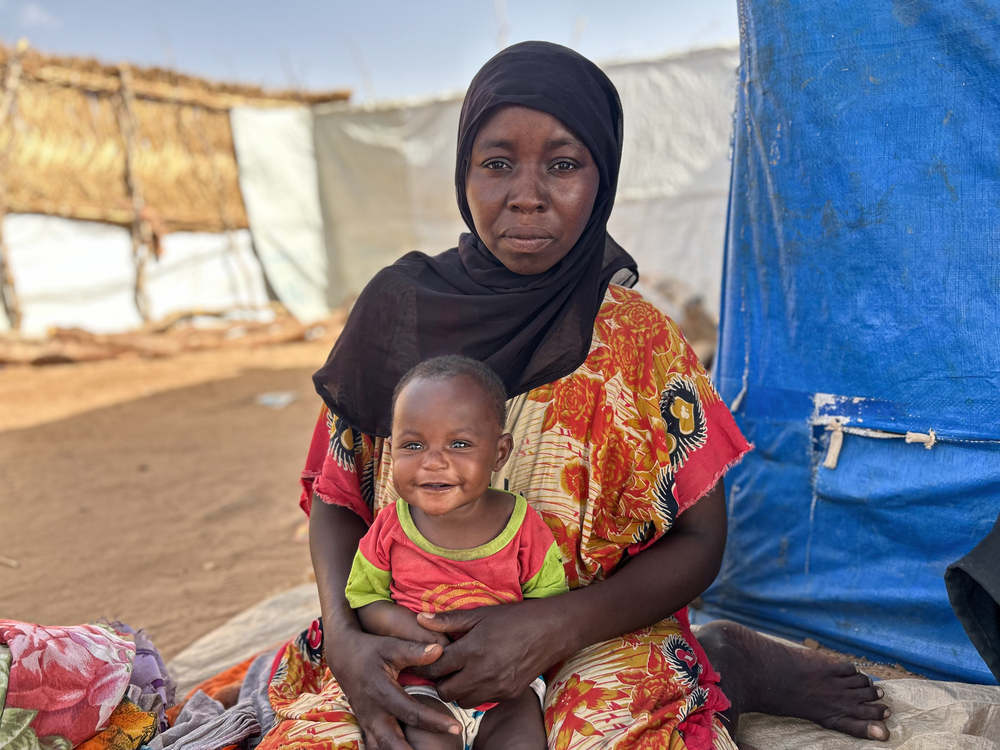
89	141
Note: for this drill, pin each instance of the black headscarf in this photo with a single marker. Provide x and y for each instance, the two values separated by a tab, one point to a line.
531	330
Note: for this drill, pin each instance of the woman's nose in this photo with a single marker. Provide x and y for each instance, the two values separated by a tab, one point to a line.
527	193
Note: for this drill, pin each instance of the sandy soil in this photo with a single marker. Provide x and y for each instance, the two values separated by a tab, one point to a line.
157	492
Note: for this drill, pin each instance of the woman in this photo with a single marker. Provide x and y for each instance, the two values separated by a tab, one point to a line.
619	438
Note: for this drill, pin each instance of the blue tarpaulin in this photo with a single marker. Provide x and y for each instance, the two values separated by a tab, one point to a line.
861	302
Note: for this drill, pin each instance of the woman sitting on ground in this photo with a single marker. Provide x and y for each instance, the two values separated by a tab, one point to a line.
620	444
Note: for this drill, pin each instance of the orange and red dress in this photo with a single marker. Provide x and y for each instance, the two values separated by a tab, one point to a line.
609	456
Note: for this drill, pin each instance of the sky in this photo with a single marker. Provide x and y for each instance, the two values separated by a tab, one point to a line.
380	49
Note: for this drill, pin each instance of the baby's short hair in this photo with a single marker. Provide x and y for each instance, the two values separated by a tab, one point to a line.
454	366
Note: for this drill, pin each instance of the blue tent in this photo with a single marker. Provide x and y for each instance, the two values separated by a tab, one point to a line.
860	335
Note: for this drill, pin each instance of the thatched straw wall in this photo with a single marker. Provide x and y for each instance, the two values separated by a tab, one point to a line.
65	145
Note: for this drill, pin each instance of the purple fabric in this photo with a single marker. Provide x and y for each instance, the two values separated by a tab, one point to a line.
149	674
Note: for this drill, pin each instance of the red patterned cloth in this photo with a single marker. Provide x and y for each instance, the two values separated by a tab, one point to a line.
609	456
64	683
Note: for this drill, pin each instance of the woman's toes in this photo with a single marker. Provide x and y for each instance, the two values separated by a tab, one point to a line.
866	694
857	680
869	711
843	669
877	731
854	727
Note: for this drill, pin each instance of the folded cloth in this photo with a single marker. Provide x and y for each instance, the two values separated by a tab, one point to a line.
64	682
974	589
149	675
203	724
254	692
130	728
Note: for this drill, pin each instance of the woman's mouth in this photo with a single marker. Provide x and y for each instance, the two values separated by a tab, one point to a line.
526	239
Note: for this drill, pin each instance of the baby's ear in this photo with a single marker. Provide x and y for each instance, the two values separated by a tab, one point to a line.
504	447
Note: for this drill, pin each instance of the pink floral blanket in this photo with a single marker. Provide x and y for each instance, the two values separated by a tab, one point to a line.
62	683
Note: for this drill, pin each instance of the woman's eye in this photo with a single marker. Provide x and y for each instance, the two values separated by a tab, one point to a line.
564	166
495	164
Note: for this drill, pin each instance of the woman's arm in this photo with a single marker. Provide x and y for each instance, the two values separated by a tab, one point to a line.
508	646
366	666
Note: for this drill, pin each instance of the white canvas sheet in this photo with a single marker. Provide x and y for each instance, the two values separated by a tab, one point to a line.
80	274
670	213
387	185
71	274
386	175
274	150
212	272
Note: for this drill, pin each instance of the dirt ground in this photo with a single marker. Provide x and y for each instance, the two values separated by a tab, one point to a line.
157	492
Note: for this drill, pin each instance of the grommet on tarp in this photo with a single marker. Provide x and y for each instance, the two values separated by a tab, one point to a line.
836	443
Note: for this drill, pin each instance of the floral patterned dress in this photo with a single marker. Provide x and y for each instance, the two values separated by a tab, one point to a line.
609	456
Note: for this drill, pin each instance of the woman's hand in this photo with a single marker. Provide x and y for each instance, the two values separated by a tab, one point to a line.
504	648
507	646
367	668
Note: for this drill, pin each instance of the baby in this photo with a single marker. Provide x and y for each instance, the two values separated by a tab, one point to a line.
451	541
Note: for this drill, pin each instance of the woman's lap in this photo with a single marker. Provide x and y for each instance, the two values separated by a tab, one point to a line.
644	689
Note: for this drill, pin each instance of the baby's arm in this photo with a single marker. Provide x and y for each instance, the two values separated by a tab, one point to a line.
369	593
388	618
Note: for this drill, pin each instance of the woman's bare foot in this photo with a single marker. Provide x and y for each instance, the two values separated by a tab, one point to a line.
760	674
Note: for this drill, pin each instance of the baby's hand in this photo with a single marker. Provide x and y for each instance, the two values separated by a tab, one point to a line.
388	618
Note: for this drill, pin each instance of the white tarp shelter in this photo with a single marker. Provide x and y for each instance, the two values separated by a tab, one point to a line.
336	192
277	163
80	274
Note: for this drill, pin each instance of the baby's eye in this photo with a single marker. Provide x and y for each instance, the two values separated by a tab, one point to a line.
412	446
461	444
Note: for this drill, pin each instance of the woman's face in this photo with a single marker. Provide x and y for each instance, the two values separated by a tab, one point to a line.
531	188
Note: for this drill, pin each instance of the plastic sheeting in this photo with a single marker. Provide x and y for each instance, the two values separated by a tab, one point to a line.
862	289
926	715
273	621
202	271
71	274
79	274
274	150
386	176
670	213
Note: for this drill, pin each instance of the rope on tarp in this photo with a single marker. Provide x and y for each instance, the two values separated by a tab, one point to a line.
839	429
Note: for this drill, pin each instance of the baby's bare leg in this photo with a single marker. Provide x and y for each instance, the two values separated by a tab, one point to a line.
421	739
515	724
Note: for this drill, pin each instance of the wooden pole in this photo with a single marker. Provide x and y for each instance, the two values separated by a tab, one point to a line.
142	234
8	291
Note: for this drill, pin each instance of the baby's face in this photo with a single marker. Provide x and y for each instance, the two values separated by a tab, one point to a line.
445	444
